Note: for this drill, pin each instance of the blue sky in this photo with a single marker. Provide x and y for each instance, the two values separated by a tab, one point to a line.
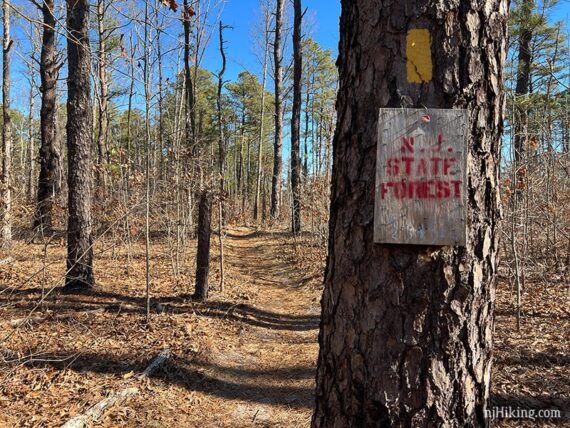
243	15
321	23
323	15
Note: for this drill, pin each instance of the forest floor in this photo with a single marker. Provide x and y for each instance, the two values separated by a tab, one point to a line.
245	358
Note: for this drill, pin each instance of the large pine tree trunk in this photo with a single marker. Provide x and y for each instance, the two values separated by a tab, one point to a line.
79	143
277	146
296	119
406	331
48	154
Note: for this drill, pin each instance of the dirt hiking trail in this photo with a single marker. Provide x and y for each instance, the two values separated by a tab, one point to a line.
245	358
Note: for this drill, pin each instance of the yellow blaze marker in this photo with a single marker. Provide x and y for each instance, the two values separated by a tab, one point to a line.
418	56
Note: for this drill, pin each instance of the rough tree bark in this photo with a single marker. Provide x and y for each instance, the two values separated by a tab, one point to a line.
6	179
296	118
203	251
406	331
523	79
277	146
48	182
79	144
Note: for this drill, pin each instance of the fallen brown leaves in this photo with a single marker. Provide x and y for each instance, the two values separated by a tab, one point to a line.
246	358
532	367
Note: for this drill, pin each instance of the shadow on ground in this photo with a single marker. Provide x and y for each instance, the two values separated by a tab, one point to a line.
181	304
193	377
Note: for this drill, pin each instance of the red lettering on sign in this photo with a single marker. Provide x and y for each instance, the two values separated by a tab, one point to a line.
421	189
384	189
430	172
435	165
400	189
425	189
447	164
422	167
437	147
408	144
443	190
412	166
408	162
457	187
393	166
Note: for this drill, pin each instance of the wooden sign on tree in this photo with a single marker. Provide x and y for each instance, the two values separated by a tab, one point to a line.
421	177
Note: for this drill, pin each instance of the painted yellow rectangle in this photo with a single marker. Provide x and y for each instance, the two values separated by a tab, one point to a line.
418	56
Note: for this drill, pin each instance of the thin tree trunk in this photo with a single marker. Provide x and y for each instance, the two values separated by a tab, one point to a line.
6	180
103	113
247	180
126	158
240	174
161	172
48	180
277	146
203	251
306	135
406	331
189	94
222	156
296	119
260	151
79	143
146	70
31	145
128	161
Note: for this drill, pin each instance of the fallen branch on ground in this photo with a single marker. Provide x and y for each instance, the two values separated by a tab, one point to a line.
38	319
96	412
156	363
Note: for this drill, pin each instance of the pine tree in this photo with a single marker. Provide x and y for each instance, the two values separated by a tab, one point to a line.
277	146
48	154
79	144
406	331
